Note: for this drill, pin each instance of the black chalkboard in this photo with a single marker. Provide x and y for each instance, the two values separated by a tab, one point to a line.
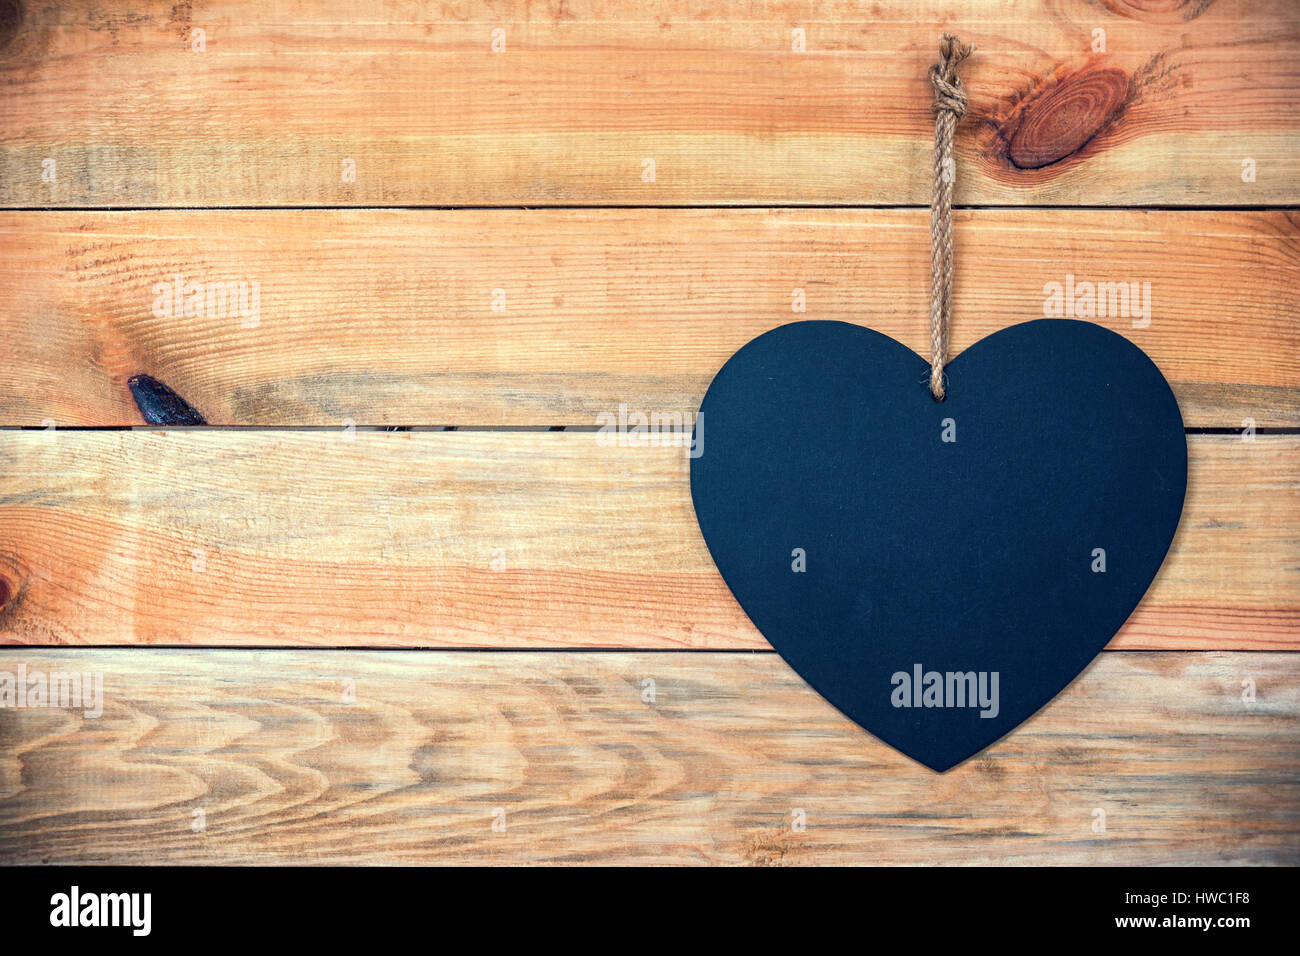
998	539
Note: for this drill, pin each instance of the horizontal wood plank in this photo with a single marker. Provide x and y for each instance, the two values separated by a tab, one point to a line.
553	317
1171	105
400	757
498	539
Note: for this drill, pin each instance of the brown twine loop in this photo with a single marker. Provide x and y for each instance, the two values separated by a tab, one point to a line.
949	107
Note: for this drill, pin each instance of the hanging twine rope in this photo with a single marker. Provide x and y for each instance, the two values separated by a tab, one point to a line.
949	107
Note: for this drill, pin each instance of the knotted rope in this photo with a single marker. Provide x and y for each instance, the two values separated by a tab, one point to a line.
949	107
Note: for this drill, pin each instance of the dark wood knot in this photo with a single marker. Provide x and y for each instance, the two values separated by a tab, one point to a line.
159	404
1059	121
1159	11
11	20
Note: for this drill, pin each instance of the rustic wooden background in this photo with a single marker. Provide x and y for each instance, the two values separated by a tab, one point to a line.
326	641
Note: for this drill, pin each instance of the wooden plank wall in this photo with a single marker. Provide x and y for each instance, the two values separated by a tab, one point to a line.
582	92
298	616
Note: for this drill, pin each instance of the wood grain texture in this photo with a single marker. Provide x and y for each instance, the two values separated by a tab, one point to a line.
387	317
514	539
318	543
587	90
587	770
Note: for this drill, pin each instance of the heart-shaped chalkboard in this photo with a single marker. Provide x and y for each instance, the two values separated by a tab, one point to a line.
939	570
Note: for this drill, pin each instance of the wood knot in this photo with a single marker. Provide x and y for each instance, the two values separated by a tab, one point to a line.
1057	122
159	404
1159	11
11	20
6	592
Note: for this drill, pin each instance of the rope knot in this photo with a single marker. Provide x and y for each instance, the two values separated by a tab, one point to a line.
949	97
949	106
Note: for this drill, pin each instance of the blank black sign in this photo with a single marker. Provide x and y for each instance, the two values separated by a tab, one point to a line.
939	570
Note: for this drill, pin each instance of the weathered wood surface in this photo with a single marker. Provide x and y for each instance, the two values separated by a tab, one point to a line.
387	317
502	539
550	544
587	90
436	745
